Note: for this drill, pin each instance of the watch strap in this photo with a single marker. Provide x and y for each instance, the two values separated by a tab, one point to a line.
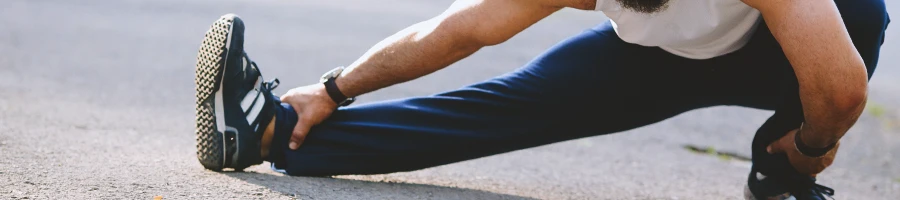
810	151
335	93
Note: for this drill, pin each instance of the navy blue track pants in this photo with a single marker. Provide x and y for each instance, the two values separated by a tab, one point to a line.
590	84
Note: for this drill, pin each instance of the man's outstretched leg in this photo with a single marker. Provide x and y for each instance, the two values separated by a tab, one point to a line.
565	94
591	84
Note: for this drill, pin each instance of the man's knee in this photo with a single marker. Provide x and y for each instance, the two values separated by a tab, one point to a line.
868	14
866	22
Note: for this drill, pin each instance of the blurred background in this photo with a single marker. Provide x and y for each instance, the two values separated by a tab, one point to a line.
97	101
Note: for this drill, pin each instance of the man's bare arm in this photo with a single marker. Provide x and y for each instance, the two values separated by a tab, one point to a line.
468	25
831	73
461	30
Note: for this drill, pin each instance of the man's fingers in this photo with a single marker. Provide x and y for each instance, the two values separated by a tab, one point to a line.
284	98
775	147
785	143
299	133
300	129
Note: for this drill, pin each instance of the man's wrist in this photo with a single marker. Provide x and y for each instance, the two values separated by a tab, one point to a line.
334	92
807	150
329	81
818	137
322	95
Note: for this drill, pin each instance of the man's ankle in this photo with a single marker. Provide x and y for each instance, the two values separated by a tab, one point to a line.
266	141
278	134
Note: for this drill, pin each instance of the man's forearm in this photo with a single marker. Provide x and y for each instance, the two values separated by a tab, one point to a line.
831	74
465	27
409	54
822	129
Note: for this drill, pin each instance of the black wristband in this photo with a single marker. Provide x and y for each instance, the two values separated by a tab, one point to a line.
810	151
335	93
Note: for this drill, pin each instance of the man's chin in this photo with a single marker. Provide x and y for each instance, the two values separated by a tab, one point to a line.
644	6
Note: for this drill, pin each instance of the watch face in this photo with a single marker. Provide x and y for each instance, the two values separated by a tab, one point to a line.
331	74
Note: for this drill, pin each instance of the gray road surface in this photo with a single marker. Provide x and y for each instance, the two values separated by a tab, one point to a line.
96	102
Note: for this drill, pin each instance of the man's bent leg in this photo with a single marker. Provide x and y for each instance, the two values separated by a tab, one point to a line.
588	85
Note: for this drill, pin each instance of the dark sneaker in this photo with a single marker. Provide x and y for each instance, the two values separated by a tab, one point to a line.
760	187
234	104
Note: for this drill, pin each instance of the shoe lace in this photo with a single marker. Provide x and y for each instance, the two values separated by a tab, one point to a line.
821	189
266	85
271	85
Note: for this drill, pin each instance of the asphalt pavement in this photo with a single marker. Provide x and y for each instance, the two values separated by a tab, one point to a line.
97	96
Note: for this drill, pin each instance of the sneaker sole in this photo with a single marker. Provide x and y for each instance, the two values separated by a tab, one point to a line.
210	65
748	195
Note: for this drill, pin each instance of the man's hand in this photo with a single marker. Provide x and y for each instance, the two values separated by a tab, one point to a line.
313	105
803	164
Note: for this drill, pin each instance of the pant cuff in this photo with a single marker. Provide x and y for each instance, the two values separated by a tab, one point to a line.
285	120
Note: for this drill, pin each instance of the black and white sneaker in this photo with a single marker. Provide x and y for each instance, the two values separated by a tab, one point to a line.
234	104
760	187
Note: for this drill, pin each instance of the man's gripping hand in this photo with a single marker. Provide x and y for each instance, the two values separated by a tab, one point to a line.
802	163
313	105
832	77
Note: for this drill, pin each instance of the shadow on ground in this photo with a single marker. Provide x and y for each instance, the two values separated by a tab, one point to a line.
337	188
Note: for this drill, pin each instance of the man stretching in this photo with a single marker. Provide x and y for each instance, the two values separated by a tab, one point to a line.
807	60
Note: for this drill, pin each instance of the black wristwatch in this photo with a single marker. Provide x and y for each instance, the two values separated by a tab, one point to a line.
807	150
331	87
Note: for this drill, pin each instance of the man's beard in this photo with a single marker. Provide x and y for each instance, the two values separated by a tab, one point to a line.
645	6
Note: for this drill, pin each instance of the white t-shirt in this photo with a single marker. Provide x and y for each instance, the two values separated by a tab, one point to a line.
697	29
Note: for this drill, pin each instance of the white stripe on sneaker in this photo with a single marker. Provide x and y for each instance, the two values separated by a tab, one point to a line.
256	109
247	102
